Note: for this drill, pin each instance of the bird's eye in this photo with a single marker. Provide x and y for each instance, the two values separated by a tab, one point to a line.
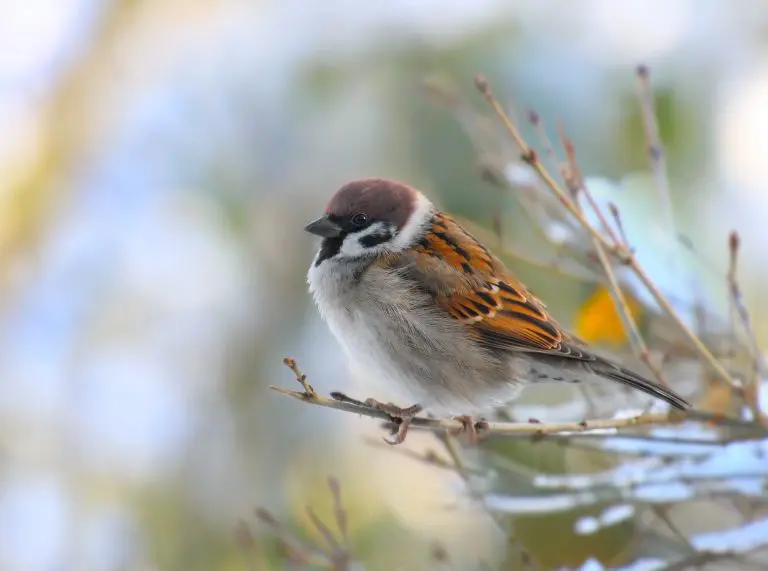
359	219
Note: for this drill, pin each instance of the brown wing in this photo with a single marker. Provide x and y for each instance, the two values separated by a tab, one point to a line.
475	287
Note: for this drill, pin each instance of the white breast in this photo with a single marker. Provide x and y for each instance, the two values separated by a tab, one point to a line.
353	318
405	348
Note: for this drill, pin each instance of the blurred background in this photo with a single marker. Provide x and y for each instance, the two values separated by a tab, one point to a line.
158	161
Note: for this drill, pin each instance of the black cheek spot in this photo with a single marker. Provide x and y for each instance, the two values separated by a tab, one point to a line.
371	240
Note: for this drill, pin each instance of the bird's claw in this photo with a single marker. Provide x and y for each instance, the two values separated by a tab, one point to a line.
400	416
471	427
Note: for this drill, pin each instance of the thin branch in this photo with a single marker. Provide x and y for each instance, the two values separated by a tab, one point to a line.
323	529
336	556
620	301
617	250
654	146
340	401
619	224
535	119
339	513
737	302
575	181
292	548
530	157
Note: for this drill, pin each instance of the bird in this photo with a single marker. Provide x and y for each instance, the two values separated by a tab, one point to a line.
430	316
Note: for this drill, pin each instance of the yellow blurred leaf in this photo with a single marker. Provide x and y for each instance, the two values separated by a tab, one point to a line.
598	321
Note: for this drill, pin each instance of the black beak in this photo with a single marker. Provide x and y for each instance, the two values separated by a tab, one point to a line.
324	227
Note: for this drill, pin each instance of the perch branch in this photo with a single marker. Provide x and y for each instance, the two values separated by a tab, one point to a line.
339	401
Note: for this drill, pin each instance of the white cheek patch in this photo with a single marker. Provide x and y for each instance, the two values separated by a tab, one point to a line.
416	224
373	240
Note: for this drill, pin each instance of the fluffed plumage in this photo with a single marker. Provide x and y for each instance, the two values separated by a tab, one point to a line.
424	307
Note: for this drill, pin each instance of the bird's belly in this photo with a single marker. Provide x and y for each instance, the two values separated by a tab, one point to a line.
440	370
375	361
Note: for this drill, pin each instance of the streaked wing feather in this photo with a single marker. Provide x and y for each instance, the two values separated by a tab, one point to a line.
484	294
473	286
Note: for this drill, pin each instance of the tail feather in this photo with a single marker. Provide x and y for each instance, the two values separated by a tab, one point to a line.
622	375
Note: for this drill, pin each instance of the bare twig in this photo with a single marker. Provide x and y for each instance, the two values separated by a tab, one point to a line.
577	185
705	353
531	428
535	119
291	547
620	301
654	146
309	392
575	182
339	513
737	302
531	158
621	253
619	224
336	556
323	529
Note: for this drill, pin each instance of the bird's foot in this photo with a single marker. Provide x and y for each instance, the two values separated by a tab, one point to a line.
400	416
471	427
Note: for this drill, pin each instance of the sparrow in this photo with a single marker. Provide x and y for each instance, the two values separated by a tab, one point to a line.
431	316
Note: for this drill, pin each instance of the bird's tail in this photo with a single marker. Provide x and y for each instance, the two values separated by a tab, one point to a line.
622	375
